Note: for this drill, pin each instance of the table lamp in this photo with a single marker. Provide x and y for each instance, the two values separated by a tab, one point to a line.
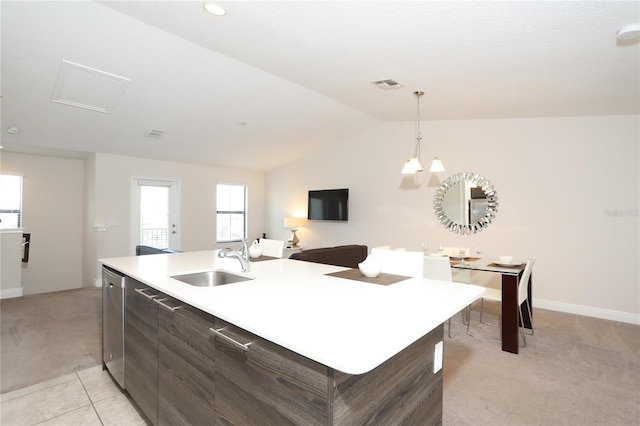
294	223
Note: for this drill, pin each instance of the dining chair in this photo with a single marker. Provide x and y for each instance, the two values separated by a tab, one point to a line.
273	248
495	295
459	275
439	268
400	262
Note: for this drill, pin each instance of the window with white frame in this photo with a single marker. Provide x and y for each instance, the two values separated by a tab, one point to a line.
10	201
231	209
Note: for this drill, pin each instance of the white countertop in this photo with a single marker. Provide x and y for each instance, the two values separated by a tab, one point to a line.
348	325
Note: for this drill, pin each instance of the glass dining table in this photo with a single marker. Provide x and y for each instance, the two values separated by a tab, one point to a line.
510	280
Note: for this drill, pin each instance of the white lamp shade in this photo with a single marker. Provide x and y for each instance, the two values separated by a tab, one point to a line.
436	165
294	222
411	166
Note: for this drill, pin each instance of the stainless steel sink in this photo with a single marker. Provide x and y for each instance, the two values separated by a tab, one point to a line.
210	278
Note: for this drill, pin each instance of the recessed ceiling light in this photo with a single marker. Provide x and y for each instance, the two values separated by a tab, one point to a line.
629	32
13	130
214	9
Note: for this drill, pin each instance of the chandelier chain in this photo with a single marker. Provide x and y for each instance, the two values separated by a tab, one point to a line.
418	95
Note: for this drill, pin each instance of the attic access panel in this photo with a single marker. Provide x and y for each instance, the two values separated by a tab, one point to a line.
88	88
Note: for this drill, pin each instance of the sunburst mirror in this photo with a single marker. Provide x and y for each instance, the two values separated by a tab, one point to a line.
466	203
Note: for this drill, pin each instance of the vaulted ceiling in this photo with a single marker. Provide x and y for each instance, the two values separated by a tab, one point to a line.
272	81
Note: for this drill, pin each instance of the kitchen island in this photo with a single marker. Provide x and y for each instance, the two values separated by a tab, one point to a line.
354	352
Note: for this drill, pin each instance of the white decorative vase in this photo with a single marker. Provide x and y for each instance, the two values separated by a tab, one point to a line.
371	267
255	250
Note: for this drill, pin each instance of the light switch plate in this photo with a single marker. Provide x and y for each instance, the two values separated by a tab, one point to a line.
437	357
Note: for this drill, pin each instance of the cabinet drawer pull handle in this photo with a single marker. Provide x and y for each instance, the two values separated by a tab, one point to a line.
142	292
218	332
164	305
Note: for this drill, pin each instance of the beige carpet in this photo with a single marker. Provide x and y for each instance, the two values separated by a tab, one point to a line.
575	370
49	335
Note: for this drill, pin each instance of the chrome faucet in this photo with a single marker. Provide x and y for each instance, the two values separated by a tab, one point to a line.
242	256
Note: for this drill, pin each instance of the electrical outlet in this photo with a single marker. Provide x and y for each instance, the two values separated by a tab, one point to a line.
437	357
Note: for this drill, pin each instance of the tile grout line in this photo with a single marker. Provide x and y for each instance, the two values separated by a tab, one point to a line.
20	392
89	397
49	387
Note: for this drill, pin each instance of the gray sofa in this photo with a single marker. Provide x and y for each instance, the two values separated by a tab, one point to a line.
348	255
143	250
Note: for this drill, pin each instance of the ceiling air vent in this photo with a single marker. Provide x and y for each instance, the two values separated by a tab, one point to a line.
387	84
154	133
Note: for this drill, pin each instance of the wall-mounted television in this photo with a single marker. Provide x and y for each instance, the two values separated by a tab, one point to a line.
328	204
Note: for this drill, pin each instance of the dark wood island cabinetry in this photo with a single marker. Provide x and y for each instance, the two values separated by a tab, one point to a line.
169	357
141	346
291	344
268	384
184	366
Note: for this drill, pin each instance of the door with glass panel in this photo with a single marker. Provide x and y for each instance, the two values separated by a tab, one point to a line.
155	211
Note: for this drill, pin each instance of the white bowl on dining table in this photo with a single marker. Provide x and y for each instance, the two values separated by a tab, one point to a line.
506	260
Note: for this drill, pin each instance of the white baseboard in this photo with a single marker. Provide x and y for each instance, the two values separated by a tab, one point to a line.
587	311
11	292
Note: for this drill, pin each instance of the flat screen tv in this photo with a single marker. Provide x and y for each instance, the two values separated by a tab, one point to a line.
328	204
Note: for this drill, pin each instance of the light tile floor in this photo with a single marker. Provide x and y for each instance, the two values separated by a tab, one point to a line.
85	398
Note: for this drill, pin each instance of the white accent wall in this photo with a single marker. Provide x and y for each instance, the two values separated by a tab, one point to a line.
78	210
11	261
53	212
568	191
111	203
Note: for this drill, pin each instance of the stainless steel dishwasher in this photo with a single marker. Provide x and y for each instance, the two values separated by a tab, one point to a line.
113	323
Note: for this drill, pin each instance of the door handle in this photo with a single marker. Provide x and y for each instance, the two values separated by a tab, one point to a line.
142	292
218	332
164	305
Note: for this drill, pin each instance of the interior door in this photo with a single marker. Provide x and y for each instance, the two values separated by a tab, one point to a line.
155	212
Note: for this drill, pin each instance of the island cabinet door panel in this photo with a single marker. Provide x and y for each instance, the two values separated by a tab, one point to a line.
186	389
262	383
141	346
402	391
